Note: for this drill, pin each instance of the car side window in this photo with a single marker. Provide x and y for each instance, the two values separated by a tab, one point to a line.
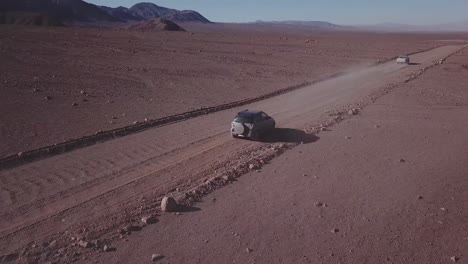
258	118
265	116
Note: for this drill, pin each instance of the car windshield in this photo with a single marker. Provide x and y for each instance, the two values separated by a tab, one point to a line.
243	119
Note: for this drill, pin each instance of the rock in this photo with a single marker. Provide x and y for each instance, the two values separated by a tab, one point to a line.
107	248
74	104
47	98
85	244
335	230
402	160
248	250
377	126
83	92
156	257
348	137
168	204
135	122
148	220
251	166
318	204
420	197
35	90
132	228
52	243
454	259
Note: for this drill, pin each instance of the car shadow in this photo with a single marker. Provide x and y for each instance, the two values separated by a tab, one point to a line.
414	63
289	135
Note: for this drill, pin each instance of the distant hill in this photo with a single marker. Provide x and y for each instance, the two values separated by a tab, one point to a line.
461	26
78	12
146	11
157	24
66	11
28	18
312	24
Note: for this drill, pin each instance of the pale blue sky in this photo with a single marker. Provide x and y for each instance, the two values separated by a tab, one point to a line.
349	12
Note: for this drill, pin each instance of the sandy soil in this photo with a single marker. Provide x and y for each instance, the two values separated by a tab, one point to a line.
103	79
387	186
92	192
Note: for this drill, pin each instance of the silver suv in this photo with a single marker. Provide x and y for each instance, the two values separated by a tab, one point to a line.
251	124
403	60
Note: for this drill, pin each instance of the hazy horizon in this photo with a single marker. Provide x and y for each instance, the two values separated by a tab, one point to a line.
360	12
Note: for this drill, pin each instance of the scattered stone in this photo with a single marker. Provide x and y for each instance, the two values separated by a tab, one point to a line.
420	197
168	204
85	244
35	90
353	111
335	230
454	259
74	104
205	241
377	126
82	92
348	137
304	175
146	119
248	250
156	257
107	248
148	220
402	160
251	166
443	209
323	129
127	230
318	204
52	243
47	98
135	122
20	154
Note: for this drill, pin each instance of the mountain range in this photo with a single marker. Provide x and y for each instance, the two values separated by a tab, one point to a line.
76	11
147	11
307	24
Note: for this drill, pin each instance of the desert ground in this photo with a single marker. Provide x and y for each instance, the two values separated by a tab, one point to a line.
60	84
367	164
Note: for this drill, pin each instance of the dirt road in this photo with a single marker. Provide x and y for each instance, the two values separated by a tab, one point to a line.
55	194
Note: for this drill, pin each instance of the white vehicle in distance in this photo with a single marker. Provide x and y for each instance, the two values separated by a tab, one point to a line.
403	60
251	124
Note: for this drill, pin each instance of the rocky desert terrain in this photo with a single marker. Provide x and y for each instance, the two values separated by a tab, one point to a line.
60	84
367	164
